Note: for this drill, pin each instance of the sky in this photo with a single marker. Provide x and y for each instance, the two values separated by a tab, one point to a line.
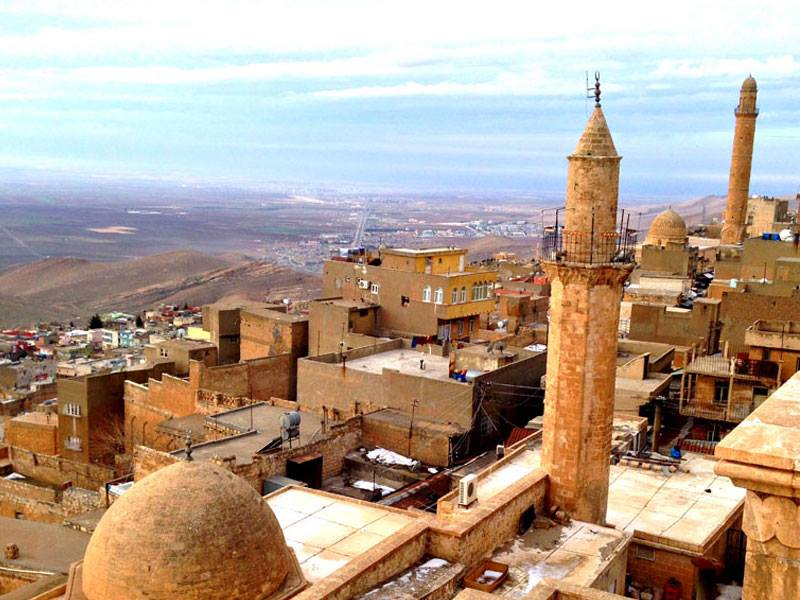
483	97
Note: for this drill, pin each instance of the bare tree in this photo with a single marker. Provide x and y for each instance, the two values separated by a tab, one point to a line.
110	439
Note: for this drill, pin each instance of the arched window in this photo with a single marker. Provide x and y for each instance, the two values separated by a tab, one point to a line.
474	291
454	297
463	294
426	293
438	296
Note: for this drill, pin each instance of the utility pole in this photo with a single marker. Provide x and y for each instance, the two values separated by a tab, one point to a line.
414	404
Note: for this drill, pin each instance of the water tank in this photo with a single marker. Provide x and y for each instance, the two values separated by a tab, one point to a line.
289	420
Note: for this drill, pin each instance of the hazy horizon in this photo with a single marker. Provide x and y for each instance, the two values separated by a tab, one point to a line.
447	98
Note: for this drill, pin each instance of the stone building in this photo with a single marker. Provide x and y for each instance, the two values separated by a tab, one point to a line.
684	328
91	411
338	324
426	293
777	341
733	229
181	352
268	332
36	431
766	214
587	266
726	389
667	263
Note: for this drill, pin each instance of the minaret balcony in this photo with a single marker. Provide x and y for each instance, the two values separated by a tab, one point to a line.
588	248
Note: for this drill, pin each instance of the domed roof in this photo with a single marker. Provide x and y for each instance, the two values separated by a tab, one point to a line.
189	530
667	227
596	138
749	84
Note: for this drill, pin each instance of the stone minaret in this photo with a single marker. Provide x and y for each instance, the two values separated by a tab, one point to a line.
733	228
586	270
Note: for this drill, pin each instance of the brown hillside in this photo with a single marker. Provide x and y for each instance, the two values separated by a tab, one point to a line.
68	288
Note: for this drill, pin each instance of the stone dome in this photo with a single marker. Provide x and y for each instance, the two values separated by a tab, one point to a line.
190	530
749	84
667	227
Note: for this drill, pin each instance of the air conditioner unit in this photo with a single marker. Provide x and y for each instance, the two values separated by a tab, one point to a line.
363	284
468	490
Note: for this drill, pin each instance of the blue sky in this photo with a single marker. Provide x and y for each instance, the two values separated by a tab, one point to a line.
446	96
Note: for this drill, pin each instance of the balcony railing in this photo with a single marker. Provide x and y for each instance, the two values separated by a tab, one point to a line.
593	248
733	412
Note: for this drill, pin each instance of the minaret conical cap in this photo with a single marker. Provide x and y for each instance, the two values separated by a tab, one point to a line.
749	84
596	139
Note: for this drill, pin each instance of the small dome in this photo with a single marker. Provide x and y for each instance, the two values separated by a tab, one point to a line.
189	530
667	227
749	84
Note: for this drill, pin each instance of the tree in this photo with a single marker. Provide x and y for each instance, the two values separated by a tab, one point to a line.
139	322
110	439
95	322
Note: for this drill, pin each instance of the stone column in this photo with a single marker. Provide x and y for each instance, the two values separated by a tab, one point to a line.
761	455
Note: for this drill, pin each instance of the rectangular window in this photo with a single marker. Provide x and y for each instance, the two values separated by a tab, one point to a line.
404	300
644	552
721	392
71	410
72	443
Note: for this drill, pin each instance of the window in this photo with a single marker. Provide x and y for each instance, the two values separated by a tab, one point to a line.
464	296
765	354
72	443
375	288
461	328
404	300
72	410
438	296
643	552
426	293
721	392
454	298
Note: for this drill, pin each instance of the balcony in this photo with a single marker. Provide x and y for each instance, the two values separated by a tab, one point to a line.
731	412
447	312
593	248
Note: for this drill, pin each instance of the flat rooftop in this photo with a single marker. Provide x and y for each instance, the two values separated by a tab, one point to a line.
575	553
327	531
683	509
423	251
42	546
259	424
37	418
275	315
406	361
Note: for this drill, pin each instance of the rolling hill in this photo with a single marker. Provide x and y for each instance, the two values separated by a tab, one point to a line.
65	288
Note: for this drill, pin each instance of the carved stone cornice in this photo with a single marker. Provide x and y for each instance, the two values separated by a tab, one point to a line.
611	274
772	517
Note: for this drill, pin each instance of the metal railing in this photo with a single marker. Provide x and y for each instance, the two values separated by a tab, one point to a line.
593	248
735	412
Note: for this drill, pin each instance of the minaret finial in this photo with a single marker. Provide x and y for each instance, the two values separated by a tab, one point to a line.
597	88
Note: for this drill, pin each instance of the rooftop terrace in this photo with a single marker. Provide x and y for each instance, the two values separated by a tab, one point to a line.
327	531
406	361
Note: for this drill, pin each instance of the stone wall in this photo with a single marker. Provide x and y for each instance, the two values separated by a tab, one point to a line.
20	499
34	436
58	470
466	535
323	382
430	442
738	311
333	446
383	561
